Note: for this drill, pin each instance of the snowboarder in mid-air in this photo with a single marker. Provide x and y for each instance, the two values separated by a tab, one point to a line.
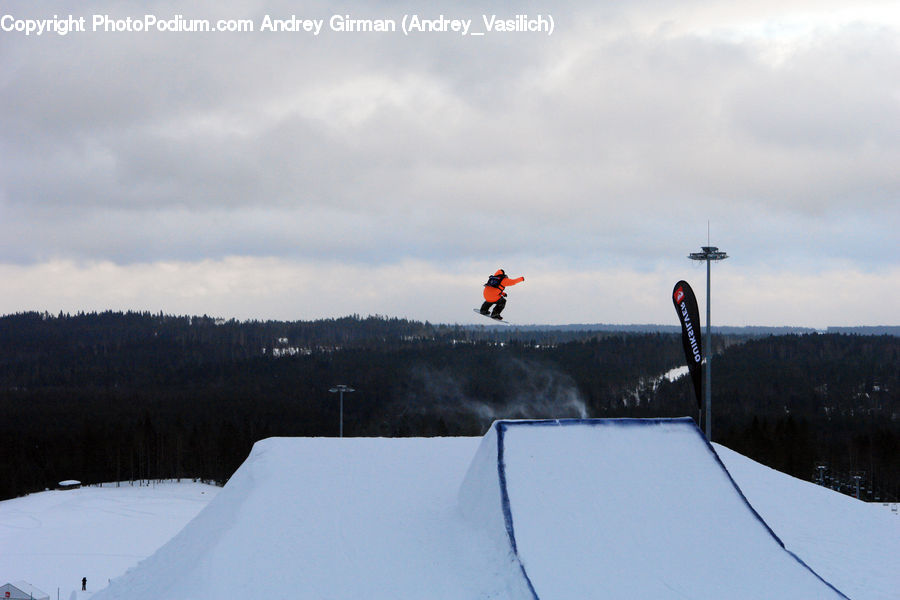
494	294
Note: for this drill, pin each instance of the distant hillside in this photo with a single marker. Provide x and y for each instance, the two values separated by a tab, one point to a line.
113	396
879	330
746	331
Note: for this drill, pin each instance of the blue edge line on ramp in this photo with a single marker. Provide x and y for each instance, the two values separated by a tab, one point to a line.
502	426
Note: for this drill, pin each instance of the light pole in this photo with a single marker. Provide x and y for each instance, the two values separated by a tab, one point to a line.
341	389
857	476
710	253
822	467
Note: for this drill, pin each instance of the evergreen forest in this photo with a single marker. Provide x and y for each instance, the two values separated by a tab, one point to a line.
138	396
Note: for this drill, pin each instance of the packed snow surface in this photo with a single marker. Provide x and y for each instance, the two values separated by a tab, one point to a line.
854	545
596	511
328	518
629	509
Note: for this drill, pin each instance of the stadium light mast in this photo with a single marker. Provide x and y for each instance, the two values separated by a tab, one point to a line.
341	389
709	254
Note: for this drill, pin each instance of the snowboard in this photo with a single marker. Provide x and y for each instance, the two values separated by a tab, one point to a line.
503	321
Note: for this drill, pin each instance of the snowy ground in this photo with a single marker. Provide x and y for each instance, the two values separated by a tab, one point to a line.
55	538
855	545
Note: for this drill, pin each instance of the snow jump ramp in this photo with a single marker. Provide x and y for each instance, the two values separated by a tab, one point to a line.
626	508
534	510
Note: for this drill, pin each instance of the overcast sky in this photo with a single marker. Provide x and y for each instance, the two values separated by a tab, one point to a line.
287	175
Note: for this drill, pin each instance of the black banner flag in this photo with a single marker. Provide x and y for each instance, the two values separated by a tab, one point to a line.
686	306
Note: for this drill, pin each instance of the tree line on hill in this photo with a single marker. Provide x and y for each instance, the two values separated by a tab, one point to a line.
130	396
814	406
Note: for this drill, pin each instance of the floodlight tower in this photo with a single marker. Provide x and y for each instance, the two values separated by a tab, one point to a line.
341	389
709	254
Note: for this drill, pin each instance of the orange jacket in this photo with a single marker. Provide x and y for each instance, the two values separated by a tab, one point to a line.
492	294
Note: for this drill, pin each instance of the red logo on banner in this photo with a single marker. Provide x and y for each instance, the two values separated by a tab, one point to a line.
679	295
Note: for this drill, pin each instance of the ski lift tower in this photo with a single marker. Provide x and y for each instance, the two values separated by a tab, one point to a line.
709	254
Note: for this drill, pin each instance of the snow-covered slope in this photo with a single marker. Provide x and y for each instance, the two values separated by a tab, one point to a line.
854	545
53	539
629	509
603	508
383	518
329	518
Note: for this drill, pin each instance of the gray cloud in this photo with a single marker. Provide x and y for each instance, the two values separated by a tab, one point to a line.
590	149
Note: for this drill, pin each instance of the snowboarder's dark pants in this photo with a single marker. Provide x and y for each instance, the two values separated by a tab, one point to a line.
499	305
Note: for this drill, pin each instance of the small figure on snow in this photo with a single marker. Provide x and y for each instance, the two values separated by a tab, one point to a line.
84	584
494	294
